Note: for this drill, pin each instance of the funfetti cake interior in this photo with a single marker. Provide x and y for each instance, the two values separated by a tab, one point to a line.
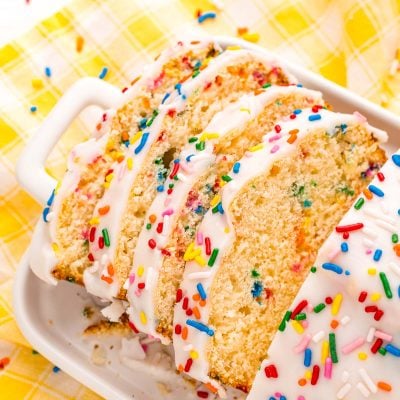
119	215
64	241
341	333
186	195
283	199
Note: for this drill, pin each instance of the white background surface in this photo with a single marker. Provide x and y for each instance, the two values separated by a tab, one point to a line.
16	16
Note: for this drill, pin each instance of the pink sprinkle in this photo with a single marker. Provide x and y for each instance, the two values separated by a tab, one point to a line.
359	116
301	346
305	324
273	138
369	251
131	279
328	368
301	398
138	293
384	336
199	238
169	211
333	254
355	344
274	149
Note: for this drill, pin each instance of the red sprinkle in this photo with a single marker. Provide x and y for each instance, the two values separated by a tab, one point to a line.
189	312
292	116
124	89
185	304
101	242
378	315
328	300
171	113
165	252
179	295
178	329
377	345
174	170
315	375
208	245
133	327
152	244
380	176
271	371
349	228
188	365
346	235
160	227
141	285
362	297
4	362
277	128
371	309
90	257
92	234
202	395
303	304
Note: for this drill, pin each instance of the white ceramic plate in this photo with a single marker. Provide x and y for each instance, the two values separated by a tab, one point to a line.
51	317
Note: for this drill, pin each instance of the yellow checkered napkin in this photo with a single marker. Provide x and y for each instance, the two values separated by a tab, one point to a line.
351	42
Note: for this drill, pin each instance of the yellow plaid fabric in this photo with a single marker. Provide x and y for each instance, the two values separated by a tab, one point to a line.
351	42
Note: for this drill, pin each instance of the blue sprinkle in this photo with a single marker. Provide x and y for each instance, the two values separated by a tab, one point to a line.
165	98
347	272
398	292
236	168
142	143
45	214
201	291
220	208
343	127
199	210
176	161
395	351
307	203
33	109
47	71
56	369
332	267
377	254
183	97
103	73
178	88
197	65
257	288
314	117
376	190
51	198
396	159
297	111
344	247
307	357
398	211
207	15
299	85
142	123
282	398
189	157
160	188
199	326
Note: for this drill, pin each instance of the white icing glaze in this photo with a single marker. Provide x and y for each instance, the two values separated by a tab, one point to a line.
166	206
43	259
358	330
123	180
218	227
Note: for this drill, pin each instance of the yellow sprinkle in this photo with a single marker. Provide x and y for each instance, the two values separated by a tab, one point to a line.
57	187
54	246
297	326
140	271
376	296
188	252
194	354
307	221
308	374
136	137
106	185
324	351
371	271
109	145
200	260
129	163
37	83
233	48
362	356
222	183
109	177
245	110
94	221
337	302
251	37
256	147
215	200
227	230
116	155
207	136
143	318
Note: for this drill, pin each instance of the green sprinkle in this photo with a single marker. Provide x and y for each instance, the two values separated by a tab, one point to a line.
195	73
386	285
106	237
148	227
395	238
158	161
201	145
226	178
193	139
171	185
215	209
254	273
213	257
359	203
282	325
313	269
300	317
332	348
267	85
307	203
382	350
318	308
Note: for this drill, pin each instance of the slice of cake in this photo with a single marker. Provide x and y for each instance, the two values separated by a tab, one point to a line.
282	200
64	240
341	333
132	183
184	198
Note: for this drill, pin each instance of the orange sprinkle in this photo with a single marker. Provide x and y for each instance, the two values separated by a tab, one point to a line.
152	218
180	368
104	210
196	297
396	248
302	382
80	41
202	303
242	30
185	333
196	312
293	132
124	136
367	194
121	158
4	362
98	126
211	388
334	324
110	269
384	386
146	102
292	139
107	279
